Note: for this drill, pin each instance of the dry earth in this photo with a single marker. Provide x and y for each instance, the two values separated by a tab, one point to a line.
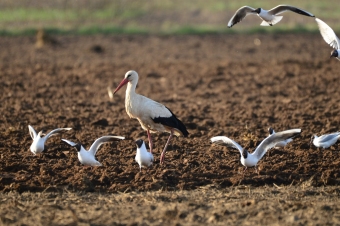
233	85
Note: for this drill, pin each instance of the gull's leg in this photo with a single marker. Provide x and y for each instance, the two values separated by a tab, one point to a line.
244	171
150	141
166	145
256	169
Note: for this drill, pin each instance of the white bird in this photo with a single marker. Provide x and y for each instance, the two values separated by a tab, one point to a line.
280	144
325	141
88	157
38	144
143	157
330	37
269	17
153	116
251	159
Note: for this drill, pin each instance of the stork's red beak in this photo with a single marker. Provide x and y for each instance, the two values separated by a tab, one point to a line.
122	83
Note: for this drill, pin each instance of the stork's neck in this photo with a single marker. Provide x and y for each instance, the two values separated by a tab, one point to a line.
131	89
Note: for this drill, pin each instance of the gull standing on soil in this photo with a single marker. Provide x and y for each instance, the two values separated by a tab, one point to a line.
269	17
38	144
88	157
325	141
153	116
330	37
251	159
280	144
143	157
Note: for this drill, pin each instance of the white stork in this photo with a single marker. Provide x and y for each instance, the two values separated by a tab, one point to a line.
153	116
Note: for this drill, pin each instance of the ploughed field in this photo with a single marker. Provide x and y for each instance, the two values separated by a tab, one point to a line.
232	85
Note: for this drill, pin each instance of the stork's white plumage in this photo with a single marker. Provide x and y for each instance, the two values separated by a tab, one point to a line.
153	116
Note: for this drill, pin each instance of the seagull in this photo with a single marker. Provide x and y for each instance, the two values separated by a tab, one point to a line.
88	157
38	144
153	116
325	141
143	157
269	17
330	37
251	159
280	144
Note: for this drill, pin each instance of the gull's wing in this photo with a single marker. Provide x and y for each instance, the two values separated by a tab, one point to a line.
225	141
328	34
32	132
272	140
69	142
104	139
328	137
240	14
282	8
55	131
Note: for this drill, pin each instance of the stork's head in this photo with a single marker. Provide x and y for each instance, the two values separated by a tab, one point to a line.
334	53
130	76
258	10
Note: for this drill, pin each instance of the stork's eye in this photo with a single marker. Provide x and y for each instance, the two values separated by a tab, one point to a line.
129	75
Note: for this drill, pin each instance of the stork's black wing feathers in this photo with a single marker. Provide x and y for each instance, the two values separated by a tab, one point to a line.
172	122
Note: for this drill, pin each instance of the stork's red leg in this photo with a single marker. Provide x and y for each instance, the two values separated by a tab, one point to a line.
166	145
150	141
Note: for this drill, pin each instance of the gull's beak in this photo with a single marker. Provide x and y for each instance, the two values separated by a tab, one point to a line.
122	83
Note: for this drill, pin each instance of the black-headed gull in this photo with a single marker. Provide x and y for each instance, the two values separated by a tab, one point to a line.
269	17
88	157
38	144
280	144
153	116
325	141
251	159
143	157
330	37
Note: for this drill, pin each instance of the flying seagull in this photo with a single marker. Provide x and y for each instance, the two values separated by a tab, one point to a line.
269	17
88	157
38	144
251	159
330	37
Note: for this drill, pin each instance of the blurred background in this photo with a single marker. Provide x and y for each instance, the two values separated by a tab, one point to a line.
154	16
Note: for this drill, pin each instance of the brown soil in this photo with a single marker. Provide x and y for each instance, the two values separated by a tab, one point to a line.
216	84
302	205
